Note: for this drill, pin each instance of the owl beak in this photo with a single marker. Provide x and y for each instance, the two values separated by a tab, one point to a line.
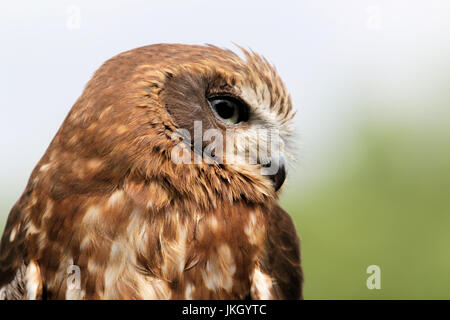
279	177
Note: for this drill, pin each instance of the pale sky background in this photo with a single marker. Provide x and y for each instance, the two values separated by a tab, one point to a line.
329	53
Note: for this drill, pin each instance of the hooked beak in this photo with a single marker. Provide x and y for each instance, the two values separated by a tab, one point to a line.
277	173
279	177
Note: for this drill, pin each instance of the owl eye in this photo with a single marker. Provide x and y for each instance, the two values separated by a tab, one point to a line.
229	109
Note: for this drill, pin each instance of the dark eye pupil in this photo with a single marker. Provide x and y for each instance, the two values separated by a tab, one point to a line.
225	109
228	109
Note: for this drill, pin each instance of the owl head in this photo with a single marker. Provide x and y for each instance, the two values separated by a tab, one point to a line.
200	122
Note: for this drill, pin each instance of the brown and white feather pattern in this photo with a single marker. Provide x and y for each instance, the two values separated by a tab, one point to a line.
106	197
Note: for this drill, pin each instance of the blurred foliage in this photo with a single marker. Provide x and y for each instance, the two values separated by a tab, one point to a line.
385	202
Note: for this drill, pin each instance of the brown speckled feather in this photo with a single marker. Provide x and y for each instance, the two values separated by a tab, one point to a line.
107	214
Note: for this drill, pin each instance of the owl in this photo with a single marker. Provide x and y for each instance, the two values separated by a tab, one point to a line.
133	199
